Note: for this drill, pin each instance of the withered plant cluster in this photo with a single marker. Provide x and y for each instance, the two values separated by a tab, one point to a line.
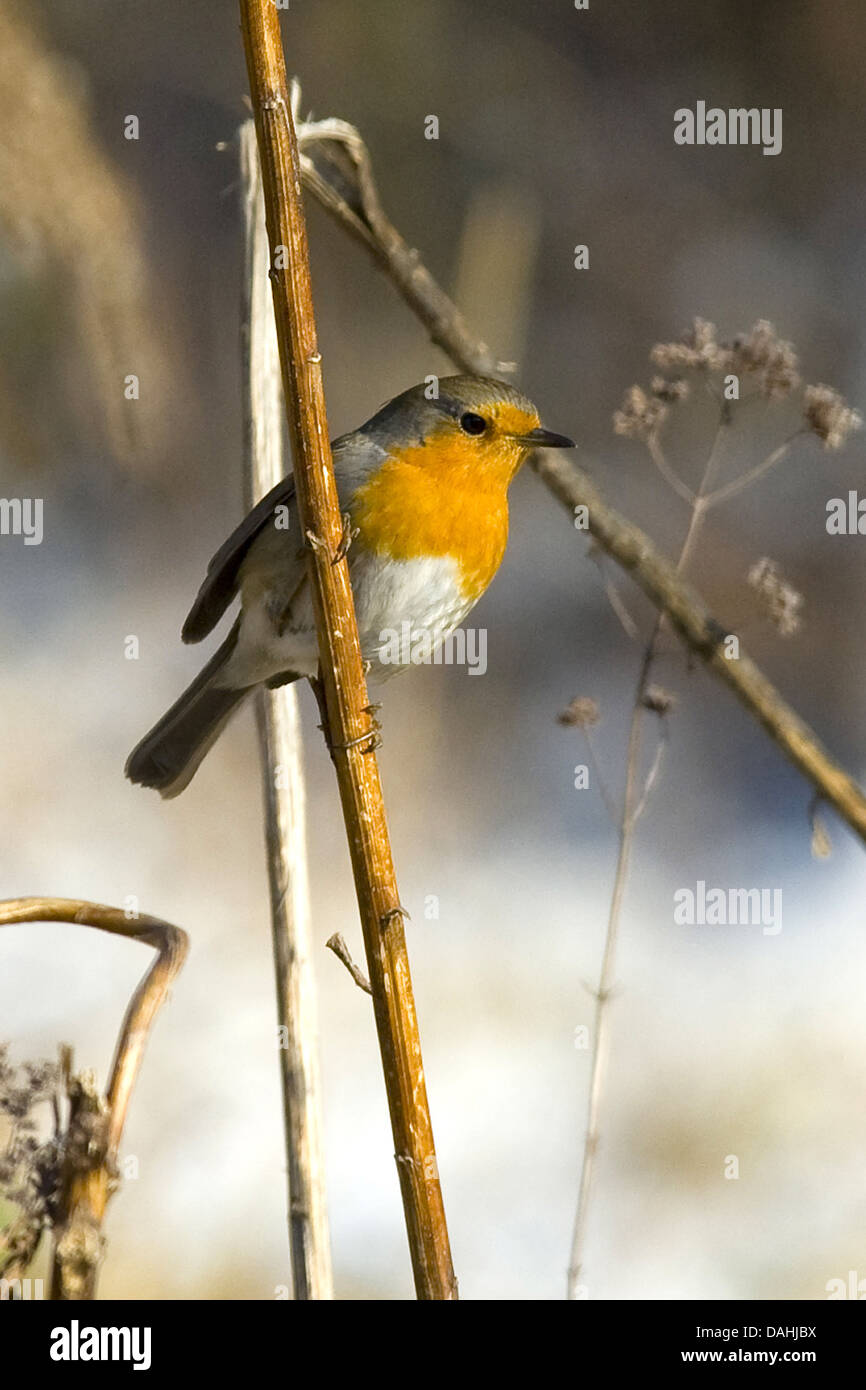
757	367
29	1162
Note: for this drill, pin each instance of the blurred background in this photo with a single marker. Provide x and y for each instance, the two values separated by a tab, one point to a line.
123	256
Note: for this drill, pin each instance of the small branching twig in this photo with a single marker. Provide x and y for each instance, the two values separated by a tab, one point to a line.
86	1159
614	597
635	802
337	944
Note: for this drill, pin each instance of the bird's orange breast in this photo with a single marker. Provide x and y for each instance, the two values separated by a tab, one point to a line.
433	500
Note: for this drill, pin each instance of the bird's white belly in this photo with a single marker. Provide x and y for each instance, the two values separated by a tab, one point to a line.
400	605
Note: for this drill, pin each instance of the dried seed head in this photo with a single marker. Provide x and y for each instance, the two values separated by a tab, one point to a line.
827	415
582	713
778	600
760	353
640	415
696	349
772	361
669	391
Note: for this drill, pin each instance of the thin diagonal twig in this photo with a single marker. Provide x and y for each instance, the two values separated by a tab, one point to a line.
351	197
724	494
635	803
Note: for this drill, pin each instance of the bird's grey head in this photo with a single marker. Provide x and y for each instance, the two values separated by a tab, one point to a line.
470	405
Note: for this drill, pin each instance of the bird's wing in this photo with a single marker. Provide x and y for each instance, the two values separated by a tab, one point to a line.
221	581
355	457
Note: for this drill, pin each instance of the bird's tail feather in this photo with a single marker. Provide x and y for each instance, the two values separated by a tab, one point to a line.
169	755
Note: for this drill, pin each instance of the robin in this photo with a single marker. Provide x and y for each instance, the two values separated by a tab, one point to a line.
424	485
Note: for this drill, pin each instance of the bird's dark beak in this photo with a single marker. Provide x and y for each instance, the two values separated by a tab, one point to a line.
546	439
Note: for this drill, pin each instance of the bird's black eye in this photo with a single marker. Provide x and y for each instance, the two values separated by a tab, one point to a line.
471	423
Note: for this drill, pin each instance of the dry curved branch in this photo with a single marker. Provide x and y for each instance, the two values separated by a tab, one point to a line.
336	167
97	1120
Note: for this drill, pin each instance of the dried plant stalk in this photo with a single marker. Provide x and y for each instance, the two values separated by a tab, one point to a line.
635	801
351	734
96	1120
283	780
